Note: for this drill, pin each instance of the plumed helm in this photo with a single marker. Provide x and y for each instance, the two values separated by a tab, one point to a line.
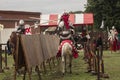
113	27
21	22
65	13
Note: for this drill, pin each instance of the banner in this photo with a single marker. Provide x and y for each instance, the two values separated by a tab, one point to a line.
1	27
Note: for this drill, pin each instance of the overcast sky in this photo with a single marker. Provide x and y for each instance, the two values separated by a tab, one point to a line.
43	6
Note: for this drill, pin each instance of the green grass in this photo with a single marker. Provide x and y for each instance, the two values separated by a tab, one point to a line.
111	64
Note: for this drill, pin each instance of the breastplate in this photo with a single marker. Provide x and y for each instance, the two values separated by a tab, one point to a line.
65	34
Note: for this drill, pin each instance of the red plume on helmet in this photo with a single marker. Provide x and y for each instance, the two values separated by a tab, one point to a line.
65	18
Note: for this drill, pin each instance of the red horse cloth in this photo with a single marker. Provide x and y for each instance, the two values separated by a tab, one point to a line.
74	50
115	46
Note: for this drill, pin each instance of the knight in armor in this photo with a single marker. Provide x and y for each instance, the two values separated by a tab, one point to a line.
21	27
65	28
114	34
66	31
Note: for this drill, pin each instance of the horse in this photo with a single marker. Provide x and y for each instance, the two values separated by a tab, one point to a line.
17	51
13	43
66	51
66	31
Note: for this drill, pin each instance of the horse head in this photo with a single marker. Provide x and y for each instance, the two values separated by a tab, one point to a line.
13	41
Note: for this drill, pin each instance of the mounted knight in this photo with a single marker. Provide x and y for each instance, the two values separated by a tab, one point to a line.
21	27
113	39
66	31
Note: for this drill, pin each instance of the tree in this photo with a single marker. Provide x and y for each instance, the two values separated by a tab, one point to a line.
107	10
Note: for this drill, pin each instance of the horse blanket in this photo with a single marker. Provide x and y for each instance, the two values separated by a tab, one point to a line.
74	50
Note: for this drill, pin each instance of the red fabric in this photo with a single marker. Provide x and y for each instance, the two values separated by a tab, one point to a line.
114	46
72	18
88	18
27	30
53	19
65	19
75	53
118	45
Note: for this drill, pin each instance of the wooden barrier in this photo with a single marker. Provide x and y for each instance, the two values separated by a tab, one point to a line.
33	50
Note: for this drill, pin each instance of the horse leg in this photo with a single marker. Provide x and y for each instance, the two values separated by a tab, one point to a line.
70	63
89	65
38	72
53	60
44	67
94	67
30	73
49	64
24	74
63	64
58	61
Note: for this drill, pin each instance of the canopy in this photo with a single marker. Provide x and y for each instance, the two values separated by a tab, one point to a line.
76	19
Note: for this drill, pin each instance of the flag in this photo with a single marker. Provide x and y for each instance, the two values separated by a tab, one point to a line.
36	25
16	26
113	27
28	30
102	25
108	31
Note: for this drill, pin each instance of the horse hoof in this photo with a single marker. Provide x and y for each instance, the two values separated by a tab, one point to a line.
94	73
105	75
88	71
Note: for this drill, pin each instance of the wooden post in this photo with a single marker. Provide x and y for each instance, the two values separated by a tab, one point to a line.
16	58
98	65
101	59
95	62
1	70
6	66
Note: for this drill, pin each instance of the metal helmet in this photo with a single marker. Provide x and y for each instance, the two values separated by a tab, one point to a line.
61	24
21	22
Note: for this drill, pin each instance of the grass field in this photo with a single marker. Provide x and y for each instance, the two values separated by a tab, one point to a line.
111	64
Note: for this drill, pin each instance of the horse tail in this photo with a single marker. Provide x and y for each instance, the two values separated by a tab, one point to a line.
67	49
